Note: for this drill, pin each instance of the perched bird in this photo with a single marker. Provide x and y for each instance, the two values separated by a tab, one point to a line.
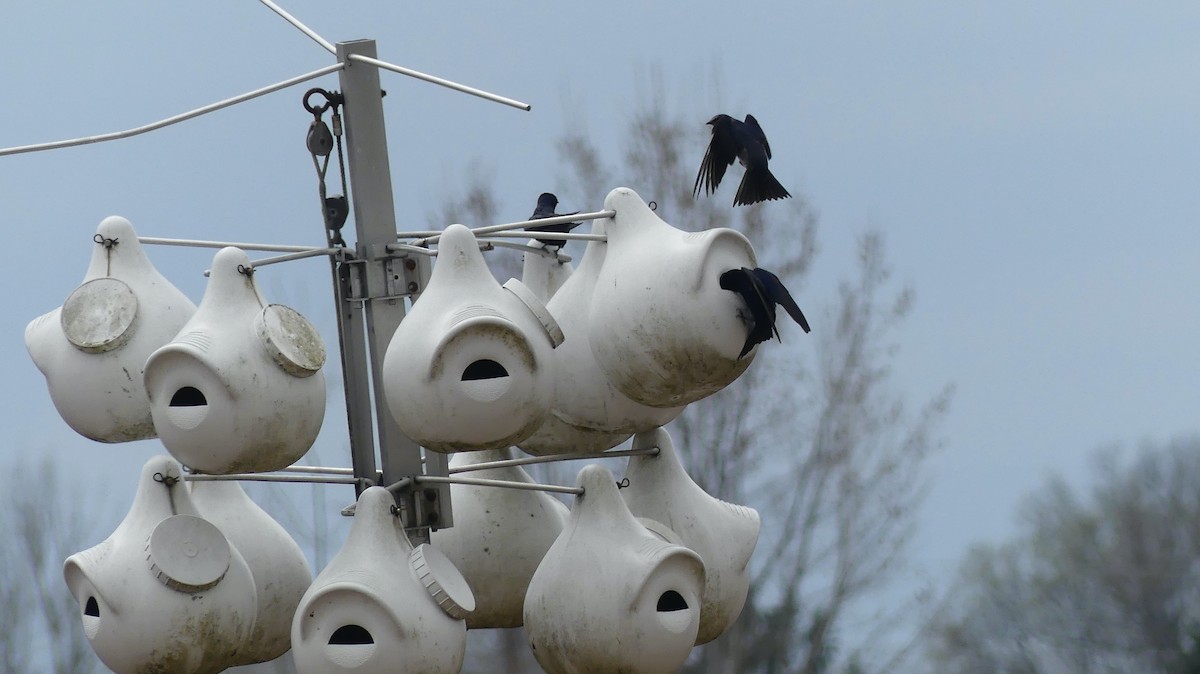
546	204
761	291
746	142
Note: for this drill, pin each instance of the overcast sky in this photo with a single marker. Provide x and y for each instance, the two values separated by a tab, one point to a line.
1034	165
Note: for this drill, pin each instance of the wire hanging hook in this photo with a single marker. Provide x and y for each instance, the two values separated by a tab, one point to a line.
105	241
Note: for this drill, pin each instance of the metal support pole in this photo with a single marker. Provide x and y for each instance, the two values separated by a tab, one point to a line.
366	327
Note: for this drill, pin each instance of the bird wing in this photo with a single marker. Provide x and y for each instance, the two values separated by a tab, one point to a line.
561	227
722	150
778	293
750	288
757	133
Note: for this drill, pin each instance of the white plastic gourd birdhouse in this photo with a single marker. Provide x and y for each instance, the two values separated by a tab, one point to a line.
166	592
589	413
610	596
92	348
280	570
543	274
723	534
239	389
469	368
381	606
662	328
499	537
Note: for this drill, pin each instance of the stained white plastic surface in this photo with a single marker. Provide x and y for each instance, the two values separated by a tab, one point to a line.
469	367
723	534
165	591
661	327
373	608
92	349
499	537
280	570
544	274
589	413
610	596
239	388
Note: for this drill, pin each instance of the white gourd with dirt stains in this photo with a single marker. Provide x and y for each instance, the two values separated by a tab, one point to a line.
610	596
723	534
469	368
661	327
589	413
240	388
381	606
499	537
167	591
92	349
281	572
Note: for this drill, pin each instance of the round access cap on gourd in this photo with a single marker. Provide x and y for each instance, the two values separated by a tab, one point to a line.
188	553
293	342
99	315
537	308
442	580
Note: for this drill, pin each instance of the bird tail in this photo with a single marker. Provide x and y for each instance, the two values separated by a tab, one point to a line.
759	185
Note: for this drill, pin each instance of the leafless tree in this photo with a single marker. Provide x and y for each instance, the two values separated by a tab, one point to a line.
40	627
1108	581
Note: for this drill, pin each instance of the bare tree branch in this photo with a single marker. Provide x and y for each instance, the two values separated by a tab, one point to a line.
40	617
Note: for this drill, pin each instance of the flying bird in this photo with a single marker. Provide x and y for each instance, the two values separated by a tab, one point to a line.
761	291
746	142
546	204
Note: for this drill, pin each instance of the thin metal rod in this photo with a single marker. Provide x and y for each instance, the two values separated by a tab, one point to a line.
173	120
320	470
303	28
569	236
524	248
441	82
506	484
405	248
484	245
575	456
199	243
417	233
314	252
260	477
400	485
557	220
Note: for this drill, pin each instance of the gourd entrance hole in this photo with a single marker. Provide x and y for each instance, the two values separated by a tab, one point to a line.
353	635
91	608
672	601
188	396
484	369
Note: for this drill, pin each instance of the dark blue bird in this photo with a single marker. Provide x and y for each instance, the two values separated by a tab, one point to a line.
746	142
546	204
761	291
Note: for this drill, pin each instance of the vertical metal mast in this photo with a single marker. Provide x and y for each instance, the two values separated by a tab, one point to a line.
371	291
